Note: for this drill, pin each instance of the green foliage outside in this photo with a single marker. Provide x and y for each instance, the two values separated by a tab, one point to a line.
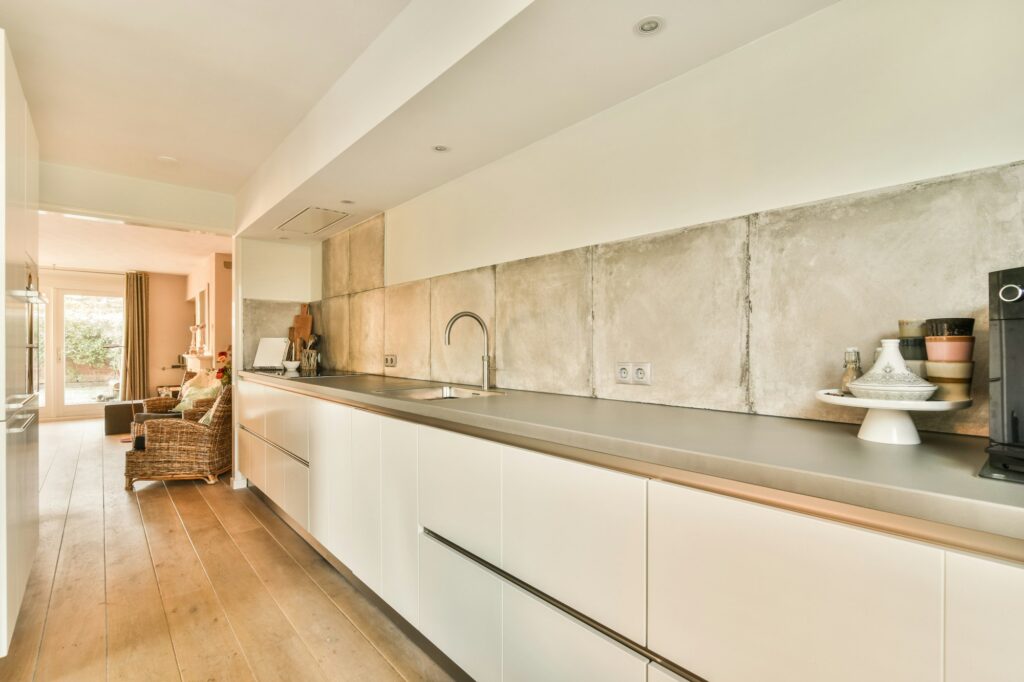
91	325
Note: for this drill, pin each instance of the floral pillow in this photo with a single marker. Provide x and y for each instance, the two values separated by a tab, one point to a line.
192	394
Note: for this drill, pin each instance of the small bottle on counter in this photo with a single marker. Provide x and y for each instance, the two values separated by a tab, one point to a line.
851	369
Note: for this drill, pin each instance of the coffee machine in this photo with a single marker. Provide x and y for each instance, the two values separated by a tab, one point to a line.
1006	376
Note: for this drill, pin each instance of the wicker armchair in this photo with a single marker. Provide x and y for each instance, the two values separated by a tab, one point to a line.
177	449
161	408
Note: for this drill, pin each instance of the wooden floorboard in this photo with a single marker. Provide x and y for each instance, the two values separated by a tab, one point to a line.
74	645
184	581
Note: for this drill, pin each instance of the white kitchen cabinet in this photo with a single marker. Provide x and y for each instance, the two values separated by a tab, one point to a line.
460	610
740	591
578	533
330	475
274	487
287	419
399	542
542	644
242	453
296	491
460	490
364	553
656	673
984	619
251	406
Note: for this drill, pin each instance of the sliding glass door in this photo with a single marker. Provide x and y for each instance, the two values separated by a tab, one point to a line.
88	329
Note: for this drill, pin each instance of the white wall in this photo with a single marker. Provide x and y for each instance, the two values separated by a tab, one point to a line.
862	95
67	189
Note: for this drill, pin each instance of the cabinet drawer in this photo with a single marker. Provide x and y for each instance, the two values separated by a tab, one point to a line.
399	541
984	613
287	420
459	490
251	406
256	459
541	643
274	482
460	610
578	533
739	591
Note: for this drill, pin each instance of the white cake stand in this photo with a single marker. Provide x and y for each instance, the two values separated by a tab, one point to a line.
889	421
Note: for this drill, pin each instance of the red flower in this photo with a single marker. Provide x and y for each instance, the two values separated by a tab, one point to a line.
222	357
220	373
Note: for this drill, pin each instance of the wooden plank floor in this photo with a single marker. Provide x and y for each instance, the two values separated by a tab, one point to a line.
184	581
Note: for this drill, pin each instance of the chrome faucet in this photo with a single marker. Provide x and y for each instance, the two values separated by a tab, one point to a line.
486	383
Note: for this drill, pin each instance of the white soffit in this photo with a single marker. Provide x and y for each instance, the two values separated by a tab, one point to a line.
551	65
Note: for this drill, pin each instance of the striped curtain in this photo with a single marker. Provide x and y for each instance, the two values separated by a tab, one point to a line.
135	363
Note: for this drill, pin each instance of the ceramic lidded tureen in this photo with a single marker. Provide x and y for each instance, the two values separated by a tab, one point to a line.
889	378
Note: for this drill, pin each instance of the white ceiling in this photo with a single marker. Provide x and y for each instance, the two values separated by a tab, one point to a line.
554	64
80	244
113	84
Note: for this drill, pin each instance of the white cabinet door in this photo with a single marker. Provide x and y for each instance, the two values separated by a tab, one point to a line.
542	644
578	533
655	673
296	491
242	453
287	420
984	619
256	459
460	490
399	543
251	407
330	472
364	555
460	610
740	591
275	474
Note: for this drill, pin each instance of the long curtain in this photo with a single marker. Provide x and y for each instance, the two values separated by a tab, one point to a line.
135	363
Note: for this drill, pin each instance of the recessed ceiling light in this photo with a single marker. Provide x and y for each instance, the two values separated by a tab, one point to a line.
649	25
440	148
166	159
347	201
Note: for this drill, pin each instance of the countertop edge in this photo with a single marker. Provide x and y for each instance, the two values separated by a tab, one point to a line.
942	533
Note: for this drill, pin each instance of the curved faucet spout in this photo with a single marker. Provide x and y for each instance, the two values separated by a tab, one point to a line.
485	383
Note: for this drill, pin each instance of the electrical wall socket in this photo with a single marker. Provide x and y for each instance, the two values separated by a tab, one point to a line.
633	373
642	373
391	361
623	372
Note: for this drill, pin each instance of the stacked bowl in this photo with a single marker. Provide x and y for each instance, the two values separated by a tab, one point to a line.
912	346
950	349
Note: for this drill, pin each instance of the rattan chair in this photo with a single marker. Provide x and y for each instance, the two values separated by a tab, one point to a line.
181	449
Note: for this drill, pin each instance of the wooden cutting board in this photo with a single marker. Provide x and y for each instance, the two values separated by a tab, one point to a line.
303	324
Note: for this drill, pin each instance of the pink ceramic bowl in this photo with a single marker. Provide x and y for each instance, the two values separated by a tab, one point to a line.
949	348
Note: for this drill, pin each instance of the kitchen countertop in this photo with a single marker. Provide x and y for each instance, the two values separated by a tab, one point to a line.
935	481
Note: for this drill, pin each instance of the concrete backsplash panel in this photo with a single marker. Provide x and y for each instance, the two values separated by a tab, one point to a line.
366	332
407	329
335	260
332	325
264	319
471	290
843	272
366	255
678	301
545	323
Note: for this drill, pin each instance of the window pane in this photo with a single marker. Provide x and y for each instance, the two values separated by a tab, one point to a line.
93	332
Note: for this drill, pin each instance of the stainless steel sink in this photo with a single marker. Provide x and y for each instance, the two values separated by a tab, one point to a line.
439	393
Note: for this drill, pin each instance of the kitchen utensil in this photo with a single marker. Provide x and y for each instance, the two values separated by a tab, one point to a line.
912	348
912	329
889	421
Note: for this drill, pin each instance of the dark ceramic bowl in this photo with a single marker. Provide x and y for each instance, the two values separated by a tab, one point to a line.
950	326
913	348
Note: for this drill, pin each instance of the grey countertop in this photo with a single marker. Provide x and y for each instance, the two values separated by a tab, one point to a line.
934	481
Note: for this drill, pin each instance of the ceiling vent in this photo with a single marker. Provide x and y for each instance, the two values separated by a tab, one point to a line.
311	221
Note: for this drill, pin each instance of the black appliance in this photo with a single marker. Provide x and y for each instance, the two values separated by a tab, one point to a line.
1006	376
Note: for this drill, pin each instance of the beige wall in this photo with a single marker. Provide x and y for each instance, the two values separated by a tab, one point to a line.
214	277
170	315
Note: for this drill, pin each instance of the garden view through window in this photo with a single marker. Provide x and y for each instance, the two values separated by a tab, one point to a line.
93	333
